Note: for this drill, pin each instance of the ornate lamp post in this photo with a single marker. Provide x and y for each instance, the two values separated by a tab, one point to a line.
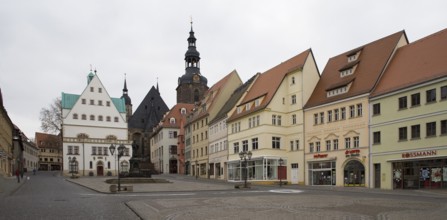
119	155
281	163
244	155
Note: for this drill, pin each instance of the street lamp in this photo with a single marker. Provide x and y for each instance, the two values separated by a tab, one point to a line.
244	155
197	169
120	153
281	162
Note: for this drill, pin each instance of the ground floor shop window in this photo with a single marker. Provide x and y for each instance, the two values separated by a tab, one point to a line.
422	174
322	173
257	169
354	174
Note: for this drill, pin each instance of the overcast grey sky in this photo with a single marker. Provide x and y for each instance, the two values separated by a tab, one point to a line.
47	46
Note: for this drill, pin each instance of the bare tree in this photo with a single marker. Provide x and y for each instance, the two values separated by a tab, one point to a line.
51	117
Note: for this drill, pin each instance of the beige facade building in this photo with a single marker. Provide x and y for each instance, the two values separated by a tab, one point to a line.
6	146
50	151
268	122
336	116
408	137
197	122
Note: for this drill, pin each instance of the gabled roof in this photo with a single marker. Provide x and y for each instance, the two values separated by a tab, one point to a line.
69	100
175	113
44	140
268	82
370	65
211	95
149	112
232	101
420	61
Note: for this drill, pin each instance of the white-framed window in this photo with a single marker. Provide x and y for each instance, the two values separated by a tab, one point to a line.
172	121
293	99
356	142
294	119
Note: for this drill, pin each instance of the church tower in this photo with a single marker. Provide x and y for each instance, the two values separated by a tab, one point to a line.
192	85
127	101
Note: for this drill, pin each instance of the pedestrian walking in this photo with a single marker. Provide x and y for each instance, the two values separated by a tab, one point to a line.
18	175
34	171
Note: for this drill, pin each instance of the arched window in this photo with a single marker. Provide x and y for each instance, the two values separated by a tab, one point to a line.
172	120
100	118
84	117
75	116
183	111
108	118
92	117
116	119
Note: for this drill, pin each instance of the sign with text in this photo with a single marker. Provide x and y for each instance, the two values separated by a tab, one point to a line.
419	154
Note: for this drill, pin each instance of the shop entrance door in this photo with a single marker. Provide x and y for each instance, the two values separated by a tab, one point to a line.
377	175
354	174
294	173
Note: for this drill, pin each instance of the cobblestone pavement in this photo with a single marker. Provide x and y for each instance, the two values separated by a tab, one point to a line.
219	200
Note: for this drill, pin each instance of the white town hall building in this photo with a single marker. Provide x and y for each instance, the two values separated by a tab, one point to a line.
91	123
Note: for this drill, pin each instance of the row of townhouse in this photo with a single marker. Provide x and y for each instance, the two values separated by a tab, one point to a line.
375	117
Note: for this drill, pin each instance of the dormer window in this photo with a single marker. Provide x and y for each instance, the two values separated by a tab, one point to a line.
257	102
338	90
346	72
183	111
352	58
172	121
247	106
354	54
239	109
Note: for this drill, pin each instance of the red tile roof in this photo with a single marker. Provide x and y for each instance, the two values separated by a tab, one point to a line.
370	64
44	140
268	83
175	112
420	61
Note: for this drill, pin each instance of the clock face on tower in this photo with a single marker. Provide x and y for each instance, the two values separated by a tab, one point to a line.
196	78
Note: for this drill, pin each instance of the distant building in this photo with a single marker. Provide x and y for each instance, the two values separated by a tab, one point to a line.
30	155
92	122
50	151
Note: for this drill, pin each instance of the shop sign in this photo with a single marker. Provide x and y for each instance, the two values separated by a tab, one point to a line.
419	154
352	153
316	156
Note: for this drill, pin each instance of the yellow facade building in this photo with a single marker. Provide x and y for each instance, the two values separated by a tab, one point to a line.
409	118
336	116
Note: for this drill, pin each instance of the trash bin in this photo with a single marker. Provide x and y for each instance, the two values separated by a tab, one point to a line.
113	188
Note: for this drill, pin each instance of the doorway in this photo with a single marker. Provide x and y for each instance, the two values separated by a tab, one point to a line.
354	174
377	175
100	169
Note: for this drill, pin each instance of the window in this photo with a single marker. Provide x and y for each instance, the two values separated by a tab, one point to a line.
83	101
415	99
108	103
431	129
356	142
343	113
92	102
415	131
247	106
92	117
291	145
293	80
276	142
172	121
352	111
293	99
329	116
70	150
293	119
100	118
239	109
347	143
315	119
116	119
376	109
100	90
336	114
91	165
108	118
254	143
245	145
376	137
403	134
75	116
443	127
297	144
92	89
328	145
100	102
105	150
431	95
335	141
99	151
276	120
76	150
359	110
318	146
402	102
322	117
257	102
311	147
444	93
236	147
84	117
